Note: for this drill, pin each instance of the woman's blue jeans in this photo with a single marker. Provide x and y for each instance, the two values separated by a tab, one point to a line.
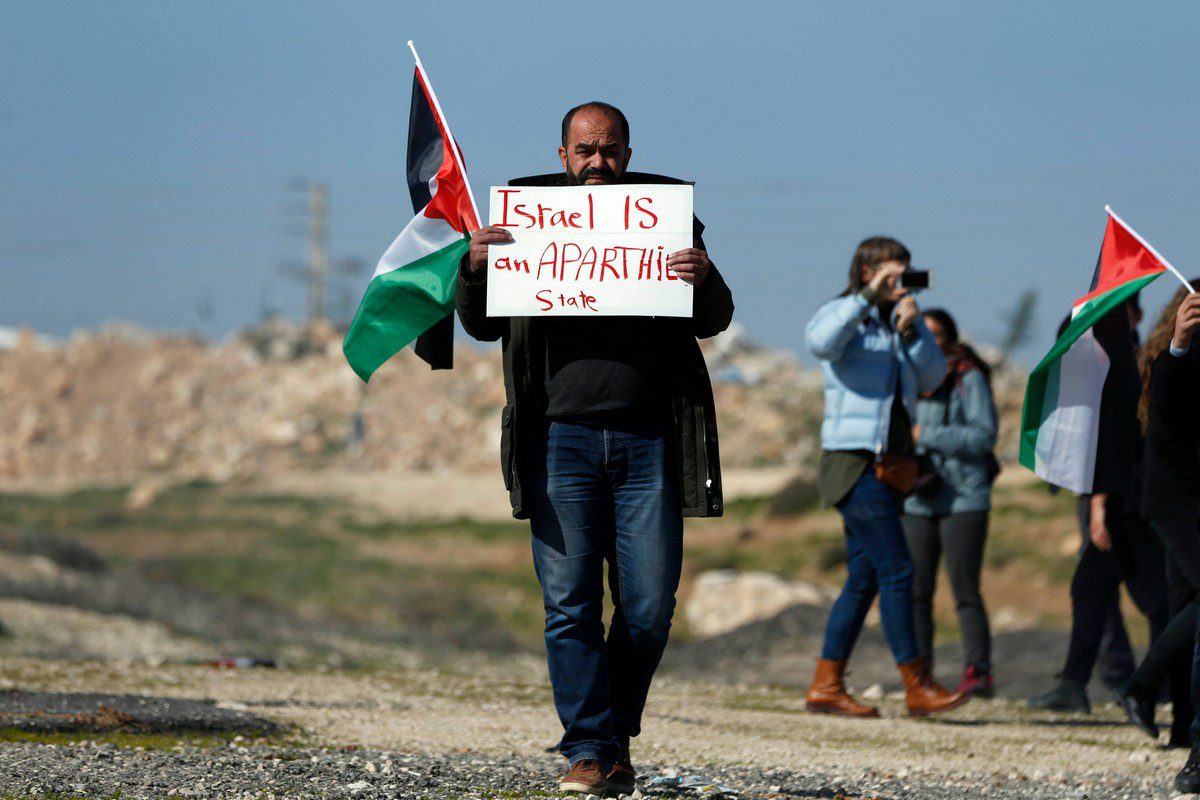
877	563
604	494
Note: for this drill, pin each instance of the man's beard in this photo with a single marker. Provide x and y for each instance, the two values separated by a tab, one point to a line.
590	172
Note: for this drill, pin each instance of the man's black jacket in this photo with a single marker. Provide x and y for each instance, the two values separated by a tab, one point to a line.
694	449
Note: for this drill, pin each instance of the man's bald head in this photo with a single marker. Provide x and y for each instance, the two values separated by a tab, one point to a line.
601	107
595	144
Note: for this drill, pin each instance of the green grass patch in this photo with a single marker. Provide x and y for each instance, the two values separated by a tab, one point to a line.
812	554
85	507
475	530
301	554
129	739
747	507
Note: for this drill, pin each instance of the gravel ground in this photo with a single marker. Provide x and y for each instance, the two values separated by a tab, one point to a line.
480	728
73	711
252	772
780	651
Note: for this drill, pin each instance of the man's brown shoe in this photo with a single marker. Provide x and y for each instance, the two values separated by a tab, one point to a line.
621	778
923	695
828	695
586	776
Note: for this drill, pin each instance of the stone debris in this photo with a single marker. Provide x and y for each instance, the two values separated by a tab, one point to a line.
695	783
873	692
260	772
722	600
123	403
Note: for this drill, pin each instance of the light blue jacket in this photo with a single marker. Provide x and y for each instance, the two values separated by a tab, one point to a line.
957	445
859	356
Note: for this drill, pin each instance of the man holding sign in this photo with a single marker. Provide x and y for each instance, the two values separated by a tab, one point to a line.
597	283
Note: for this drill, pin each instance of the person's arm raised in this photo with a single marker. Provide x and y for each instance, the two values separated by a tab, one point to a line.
926	356
712	301
833	326
471	294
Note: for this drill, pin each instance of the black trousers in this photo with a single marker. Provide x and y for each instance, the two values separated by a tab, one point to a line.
1136	559
1170	655
1116	663
961	538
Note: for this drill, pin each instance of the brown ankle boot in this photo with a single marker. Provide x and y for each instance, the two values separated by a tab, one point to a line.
827	695
922	695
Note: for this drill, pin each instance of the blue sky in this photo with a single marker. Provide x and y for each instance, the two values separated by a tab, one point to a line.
147	147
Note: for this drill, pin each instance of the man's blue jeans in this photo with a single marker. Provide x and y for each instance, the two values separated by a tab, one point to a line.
877	563
602	494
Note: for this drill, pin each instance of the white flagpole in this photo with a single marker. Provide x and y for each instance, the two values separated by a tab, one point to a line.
438	108
1108	210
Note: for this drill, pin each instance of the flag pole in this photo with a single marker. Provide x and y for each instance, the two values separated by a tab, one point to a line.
438	108
1108	210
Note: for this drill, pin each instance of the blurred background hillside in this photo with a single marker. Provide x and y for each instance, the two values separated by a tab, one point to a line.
166	498
196	196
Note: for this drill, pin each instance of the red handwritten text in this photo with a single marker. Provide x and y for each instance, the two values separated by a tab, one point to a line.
582	300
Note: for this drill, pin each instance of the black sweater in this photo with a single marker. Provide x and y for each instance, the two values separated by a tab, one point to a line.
1172	459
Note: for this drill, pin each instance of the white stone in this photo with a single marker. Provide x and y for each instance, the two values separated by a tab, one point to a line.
873	692
722	600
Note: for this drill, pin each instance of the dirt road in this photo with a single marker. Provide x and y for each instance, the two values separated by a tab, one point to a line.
486	726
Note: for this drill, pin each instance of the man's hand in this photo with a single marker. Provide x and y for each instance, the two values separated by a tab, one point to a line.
480	240
1096	524
906	313
1187	319
916	433
690	264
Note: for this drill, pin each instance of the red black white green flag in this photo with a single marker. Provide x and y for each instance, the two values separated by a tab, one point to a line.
411	294
1061	418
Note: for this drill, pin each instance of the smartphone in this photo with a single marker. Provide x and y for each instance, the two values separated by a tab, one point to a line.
915	279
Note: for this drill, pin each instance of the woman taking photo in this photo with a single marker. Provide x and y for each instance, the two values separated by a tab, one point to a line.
955	431
876	355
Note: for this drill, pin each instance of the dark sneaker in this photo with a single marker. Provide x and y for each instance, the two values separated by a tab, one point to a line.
1179	741
1188	779
977	683
621	778
586	777
1140	713
1066	696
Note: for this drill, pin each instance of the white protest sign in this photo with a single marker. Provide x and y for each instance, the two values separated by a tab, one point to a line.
589	250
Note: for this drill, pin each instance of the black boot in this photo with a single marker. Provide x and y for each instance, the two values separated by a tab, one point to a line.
1140	713
1067	695
1188	779
1181	735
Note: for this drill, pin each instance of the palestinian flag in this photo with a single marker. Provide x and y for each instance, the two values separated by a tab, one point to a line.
412	290
1061	419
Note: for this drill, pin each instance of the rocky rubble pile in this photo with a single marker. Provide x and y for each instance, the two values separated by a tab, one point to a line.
122	403
117	404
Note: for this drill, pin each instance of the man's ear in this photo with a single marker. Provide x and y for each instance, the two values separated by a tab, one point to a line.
562	156
628	155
